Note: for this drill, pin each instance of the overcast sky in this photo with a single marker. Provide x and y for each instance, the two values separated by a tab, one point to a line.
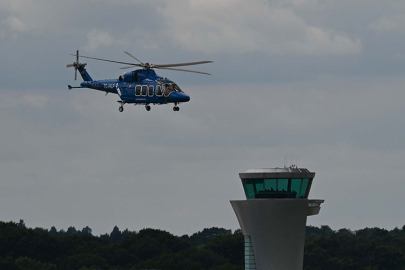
319	81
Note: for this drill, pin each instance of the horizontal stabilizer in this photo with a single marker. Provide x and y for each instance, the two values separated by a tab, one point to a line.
70	87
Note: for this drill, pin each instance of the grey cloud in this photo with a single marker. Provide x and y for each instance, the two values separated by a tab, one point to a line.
252	27
145	30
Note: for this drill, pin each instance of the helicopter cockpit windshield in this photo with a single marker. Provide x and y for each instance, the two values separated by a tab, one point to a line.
171	87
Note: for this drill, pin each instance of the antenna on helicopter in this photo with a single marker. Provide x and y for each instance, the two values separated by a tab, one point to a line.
76	64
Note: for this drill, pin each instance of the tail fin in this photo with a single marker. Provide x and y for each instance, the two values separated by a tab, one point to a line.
85	75
78	66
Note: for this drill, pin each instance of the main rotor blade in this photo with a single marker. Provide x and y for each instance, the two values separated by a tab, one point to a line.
134	57
186	70
185	64
125	63
126	67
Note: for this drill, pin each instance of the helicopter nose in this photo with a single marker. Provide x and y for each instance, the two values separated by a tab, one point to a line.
180	97
185	98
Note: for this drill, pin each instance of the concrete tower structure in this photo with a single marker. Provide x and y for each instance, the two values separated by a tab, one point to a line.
273	217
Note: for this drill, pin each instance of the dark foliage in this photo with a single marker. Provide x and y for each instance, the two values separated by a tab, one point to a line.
368	249
205	236
211	249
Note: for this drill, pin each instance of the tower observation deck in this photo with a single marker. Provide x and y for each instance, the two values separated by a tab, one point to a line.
273	217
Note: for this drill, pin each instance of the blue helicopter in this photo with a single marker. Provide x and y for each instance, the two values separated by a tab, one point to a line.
141	86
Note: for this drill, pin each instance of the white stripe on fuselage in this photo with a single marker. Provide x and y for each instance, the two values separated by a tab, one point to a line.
118	90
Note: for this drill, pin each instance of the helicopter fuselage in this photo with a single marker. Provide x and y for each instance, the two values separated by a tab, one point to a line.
141	87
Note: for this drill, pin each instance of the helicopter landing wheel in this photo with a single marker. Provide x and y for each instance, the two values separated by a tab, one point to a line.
176	109
147	107
121	109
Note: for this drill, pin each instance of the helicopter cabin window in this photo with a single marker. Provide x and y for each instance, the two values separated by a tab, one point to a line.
150	92
138	90
167	89
144	90
159	92
177	88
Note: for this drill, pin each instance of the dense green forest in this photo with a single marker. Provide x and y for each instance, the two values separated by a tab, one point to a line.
22	248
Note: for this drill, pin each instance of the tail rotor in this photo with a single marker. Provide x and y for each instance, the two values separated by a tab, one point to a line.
76	64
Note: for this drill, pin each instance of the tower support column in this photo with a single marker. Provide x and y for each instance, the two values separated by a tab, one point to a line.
276	228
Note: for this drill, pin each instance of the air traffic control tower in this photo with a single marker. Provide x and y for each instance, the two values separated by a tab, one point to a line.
274	215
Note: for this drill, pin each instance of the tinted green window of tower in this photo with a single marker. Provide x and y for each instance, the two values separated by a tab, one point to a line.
296	186
249	189
244	187
259	185
304	188
270	184
308	187
282	184
250	262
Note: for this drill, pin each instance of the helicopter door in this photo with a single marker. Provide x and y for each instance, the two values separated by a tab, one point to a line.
159	92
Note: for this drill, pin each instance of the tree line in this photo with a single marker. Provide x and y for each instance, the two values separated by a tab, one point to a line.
23	248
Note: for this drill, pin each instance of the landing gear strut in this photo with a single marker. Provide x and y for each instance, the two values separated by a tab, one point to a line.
121	107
